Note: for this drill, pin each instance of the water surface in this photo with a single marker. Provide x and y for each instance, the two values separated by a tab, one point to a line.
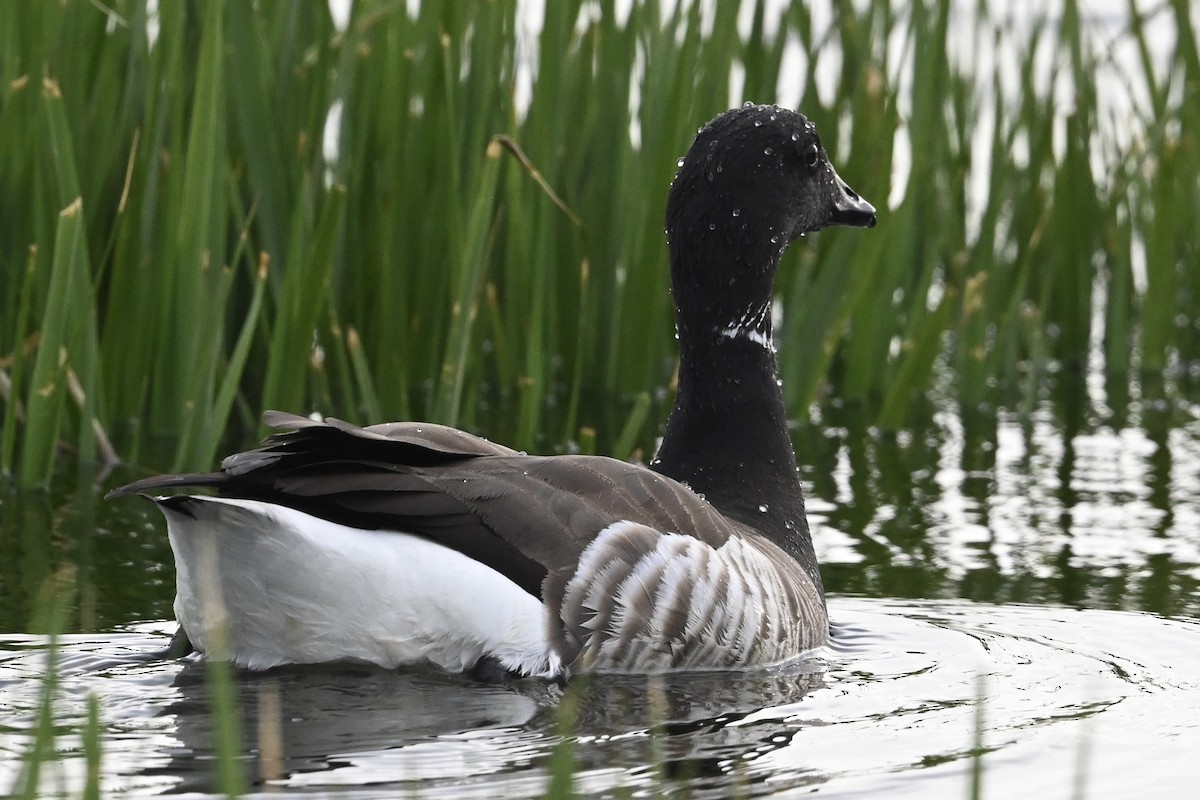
1065	701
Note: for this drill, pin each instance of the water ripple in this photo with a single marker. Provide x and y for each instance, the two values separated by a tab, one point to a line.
1102	702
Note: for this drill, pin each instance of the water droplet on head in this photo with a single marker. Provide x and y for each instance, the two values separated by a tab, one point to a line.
795	138
764	508
737	212
712	226
748	104
767	151
774	240
758	123
679	163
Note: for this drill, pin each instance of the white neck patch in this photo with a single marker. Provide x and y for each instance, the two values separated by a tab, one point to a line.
753	325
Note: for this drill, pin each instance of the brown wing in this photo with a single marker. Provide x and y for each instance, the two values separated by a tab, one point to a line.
525	516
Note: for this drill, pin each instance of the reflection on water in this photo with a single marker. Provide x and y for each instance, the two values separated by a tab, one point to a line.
1105	702
1042	506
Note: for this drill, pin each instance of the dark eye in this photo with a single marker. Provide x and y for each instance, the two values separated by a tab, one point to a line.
812	154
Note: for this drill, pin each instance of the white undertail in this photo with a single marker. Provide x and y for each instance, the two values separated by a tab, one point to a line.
294	588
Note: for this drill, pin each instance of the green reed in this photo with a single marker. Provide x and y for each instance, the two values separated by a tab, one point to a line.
176	242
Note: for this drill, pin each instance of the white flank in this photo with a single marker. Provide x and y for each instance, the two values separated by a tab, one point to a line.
292	588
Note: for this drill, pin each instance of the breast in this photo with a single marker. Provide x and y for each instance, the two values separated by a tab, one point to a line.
644	600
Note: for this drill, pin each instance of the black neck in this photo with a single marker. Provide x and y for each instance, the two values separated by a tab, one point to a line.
727	435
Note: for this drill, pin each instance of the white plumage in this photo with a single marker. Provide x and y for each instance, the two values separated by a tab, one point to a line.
289	587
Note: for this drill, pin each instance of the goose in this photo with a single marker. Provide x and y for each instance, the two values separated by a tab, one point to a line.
415	543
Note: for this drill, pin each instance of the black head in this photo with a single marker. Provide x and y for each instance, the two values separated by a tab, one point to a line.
755	179
766	163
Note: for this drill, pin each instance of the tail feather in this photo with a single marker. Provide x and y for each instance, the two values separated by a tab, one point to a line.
157	482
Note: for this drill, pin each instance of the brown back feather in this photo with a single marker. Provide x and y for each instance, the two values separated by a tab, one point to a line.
526	516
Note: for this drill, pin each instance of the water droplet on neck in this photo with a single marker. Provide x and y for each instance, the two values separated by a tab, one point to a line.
712	226
764	508
679	163
737	212
767	151
758	123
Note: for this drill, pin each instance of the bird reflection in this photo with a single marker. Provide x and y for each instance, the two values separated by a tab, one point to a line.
350	725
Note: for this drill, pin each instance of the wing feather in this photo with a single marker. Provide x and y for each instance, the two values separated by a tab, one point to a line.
526	516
